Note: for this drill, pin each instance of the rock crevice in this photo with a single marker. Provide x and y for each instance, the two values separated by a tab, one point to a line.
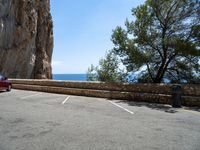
26	39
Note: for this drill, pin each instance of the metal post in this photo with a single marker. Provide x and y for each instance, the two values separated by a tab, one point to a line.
176	96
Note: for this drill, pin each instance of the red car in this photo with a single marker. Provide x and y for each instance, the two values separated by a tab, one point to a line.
4	83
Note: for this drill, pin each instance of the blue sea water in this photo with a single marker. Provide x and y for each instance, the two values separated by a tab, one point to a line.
72	77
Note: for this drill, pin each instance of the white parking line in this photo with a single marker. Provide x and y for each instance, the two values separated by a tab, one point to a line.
122	107
66	100
25	97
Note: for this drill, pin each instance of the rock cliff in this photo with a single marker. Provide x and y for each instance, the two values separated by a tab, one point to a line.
26	39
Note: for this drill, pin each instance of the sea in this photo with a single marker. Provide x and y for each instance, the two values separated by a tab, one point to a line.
70	77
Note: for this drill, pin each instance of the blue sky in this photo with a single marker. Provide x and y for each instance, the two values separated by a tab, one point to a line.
82	31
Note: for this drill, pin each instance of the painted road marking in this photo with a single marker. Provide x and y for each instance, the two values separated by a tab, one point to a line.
65	100
25	97
122	107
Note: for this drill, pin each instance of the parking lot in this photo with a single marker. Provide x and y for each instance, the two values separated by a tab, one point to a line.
32	120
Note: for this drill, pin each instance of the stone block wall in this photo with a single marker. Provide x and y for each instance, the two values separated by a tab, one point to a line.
155	93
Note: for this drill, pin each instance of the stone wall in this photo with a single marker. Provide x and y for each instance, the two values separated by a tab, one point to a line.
155	93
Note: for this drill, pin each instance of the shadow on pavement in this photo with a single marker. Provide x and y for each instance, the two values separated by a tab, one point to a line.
154	106
3	92
161	107
192	108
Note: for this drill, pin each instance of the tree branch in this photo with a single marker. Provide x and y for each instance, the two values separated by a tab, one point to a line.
149	71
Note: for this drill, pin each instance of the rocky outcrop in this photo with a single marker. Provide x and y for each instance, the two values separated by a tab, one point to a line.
26	39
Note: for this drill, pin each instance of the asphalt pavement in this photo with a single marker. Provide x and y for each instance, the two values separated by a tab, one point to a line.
32	120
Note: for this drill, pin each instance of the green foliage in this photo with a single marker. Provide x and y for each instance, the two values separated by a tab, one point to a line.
92	74
107	71
165	38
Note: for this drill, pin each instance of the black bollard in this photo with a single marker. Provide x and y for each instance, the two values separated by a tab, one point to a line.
176	96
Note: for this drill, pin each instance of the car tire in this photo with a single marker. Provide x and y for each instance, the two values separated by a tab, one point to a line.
9	88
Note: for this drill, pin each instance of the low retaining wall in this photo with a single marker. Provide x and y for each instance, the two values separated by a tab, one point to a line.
155	93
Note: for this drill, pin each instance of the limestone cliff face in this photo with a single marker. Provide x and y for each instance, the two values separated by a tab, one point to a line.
26	38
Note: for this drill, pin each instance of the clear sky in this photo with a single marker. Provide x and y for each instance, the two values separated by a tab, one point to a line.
82	31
